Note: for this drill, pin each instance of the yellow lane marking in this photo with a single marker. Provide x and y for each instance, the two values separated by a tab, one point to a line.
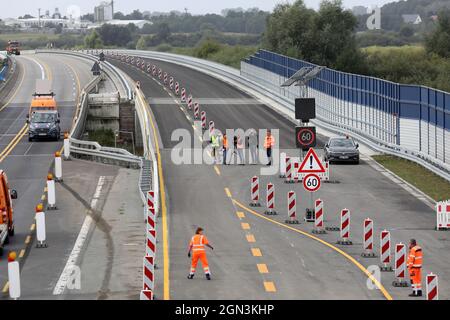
22	253
28	240
245	226
217	170
6	287
162	189
346	255
33	226
269	286
262	268
240	215
256	252
16	90
13	143
250	238
227	191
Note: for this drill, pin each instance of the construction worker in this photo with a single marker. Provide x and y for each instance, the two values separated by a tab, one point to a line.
215	143
225	148
269	142
197	247
415	268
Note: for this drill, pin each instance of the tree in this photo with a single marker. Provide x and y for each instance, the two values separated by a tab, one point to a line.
439	41
113	35
88	17
119	16
163	32
406	31
93	40
142	43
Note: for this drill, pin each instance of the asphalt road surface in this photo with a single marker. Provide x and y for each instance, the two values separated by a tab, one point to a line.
297	267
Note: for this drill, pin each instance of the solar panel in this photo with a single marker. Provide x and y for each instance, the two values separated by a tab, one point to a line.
298	76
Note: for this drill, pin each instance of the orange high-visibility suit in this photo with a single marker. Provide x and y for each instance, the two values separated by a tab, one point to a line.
197	244
415	268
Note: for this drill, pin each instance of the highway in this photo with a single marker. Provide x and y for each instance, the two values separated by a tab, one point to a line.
26	163
257	257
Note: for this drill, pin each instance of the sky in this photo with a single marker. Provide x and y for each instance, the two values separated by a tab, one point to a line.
15	9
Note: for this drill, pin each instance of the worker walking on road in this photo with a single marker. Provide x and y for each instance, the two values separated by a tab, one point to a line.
269	142
225	149
415	268
215	143
197	247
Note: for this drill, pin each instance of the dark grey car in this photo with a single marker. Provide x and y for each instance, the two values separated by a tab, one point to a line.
44	125
341	150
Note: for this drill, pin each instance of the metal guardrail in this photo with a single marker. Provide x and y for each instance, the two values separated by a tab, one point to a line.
233	77
12	67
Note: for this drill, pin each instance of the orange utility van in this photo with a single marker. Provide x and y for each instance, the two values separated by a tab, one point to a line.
6	211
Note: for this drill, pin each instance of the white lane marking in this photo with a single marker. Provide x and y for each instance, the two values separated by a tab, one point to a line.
26	152
79	243
39	65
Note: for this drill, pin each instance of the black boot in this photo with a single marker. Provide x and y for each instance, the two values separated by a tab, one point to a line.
208	276
413	294
191	276
419	294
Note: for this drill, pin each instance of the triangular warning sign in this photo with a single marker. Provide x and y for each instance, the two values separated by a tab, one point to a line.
311	163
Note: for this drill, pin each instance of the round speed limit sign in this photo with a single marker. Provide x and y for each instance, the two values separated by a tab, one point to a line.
311	183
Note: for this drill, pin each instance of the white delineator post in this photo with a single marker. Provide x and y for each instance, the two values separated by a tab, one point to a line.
400	266
41	236
432	287
385	251
282	165
51	192
13	276
58	167
254	191
66	146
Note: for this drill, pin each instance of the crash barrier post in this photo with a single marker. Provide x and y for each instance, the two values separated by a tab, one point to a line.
368	239
345	228
255	192
319	226
385	251
58	167
292	208
270	199
432	287
400	266
13	276
41	236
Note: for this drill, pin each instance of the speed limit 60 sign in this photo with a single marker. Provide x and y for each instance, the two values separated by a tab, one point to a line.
311	182
305	137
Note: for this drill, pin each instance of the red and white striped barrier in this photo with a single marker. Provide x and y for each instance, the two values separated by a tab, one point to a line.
154	70
146	295
295	167
160	74
325	177
385	251
149	68
400	266
151	213
288	170
432	287
345	227
51	193
189	102
196	110
165	77
143	66
211	128
319	226
150	248
149	273
183	95
443	215
292	208
58	167
171	83
177	88
203	118
254	192
368	239
270	199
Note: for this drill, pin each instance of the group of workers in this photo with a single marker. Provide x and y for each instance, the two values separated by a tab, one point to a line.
222	142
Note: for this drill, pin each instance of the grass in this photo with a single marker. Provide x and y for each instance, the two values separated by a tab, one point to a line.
431	184
24	37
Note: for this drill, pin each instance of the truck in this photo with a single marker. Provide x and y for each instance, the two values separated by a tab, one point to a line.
13	48
6	211
43	117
